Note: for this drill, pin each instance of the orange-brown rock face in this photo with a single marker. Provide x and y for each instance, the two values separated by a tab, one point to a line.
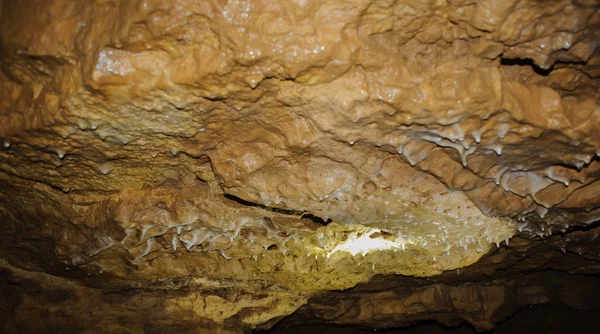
227	160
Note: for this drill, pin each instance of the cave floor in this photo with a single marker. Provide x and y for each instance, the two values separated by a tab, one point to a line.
551	319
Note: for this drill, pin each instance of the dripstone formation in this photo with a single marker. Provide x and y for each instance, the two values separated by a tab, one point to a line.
216	166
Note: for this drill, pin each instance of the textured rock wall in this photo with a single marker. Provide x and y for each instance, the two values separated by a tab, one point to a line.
290	146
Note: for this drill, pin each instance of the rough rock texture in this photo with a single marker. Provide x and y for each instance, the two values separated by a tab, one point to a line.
226	162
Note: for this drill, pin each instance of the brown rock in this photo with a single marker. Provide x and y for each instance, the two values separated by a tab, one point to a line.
222	162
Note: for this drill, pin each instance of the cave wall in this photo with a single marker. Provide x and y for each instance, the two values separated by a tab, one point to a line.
231	160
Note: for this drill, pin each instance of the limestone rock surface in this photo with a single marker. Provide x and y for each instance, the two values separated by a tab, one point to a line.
227	162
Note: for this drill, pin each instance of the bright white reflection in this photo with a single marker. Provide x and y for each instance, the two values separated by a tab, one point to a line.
363	243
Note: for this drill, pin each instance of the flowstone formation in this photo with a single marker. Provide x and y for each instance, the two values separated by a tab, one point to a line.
205	166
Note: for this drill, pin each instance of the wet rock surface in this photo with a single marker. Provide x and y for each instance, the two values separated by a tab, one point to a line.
229	163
